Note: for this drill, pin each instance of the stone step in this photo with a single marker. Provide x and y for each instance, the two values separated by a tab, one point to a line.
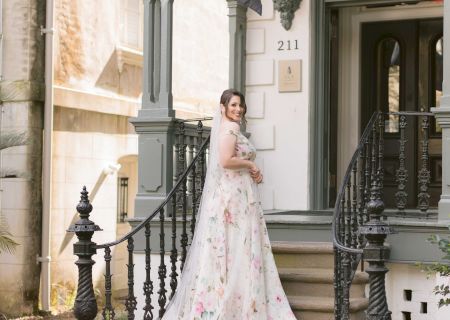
318	282
322	308
291	254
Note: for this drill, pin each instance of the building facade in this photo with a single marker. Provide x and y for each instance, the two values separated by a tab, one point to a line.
312	72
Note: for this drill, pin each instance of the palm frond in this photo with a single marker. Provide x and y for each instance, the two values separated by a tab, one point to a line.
6	243
12	139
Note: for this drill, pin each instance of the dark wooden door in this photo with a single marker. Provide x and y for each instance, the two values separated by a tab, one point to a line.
401	71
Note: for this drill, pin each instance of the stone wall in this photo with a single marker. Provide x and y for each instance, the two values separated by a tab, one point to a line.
21	96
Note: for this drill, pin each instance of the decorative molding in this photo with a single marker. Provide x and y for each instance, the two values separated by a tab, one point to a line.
129	56
287	10
97	102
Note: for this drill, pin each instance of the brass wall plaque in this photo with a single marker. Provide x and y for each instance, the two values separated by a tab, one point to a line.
289	75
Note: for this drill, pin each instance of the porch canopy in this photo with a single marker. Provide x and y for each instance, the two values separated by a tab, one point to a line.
252	4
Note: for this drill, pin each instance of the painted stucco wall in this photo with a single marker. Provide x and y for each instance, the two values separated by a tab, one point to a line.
96	93
410	293
21	84
279	122
200	55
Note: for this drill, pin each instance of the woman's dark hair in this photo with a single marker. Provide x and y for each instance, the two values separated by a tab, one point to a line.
226	97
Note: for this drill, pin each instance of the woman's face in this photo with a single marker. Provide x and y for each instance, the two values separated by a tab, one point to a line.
235	110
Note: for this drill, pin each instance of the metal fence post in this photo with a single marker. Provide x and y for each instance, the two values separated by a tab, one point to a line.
376	231
85	307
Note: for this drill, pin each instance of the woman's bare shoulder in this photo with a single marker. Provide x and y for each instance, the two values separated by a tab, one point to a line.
230	127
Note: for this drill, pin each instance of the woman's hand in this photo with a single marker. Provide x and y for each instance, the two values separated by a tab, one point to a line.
255	173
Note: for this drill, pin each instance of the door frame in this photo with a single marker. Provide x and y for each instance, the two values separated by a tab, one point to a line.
319	132
349	115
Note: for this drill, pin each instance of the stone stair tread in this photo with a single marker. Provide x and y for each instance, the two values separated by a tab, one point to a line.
317	275
301	247
324	304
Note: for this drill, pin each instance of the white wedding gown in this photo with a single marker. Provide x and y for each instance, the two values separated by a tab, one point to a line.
232	274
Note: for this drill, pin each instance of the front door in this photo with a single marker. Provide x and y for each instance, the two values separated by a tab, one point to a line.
401	70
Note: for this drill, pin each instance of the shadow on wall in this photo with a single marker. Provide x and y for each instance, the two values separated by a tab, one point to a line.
120	77
76	120
109	169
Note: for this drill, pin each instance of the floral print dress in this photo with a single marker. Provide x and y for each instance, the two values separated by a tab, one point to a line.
236	277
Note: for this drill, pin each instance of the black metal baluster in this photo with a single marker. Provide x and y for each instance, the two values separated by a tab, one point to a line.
130	303
374	176
190	156
162	268
346	286
148	284
348	226
401	175
184	236
201	160
176	170
174	252
108	311
354	220
342	222
194	199
424	176
380	169
336	284
361	200
182	196
367	174
198	176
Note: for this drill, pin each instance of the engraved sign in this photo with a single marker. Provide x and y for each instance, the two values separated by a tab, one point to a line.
289	75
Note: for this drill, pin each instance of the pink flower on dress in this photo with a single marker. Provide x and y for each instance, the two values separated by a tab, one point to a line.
228	216
257	263
278	299
199	309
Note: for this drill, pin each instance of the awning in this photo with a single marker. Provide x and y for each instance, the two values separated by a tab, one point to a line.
252	4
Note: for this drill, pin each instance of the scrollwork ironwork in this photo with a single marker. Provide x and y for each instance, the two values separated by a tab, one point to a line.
287	10
401	195
424	175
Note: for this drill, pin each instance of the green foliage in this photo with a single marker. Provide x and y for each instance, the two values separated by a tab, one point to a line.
6	243
9	140
442	268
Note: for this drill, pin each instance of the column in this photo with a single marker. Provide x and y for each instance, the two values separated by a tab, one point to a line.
238	30
442	115
154	123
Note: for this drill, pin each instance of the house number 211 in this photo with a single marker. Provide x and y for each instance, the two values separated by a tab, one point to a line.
287	45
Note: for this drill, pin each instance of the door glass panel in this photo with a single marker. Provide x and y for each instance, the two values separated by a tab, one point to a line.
389	81
438	75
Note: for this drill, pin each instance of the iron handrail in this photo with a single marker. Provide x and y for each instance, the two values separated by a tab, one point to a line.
161	206
337	211
195	119
365	135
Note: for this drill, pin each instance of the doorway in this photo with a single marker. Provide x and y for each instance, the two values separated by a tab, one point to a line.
401	44
401	70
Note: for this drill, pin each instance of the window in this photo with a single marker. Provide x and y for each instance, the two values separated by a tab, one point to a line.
132	24
122	199
389	81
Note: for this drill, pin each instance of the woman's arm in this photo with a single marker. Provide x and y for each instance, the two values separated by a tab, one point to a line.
227	152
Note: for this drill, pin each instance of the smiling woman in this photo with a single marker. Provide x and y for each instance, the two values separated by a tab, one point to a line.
230	271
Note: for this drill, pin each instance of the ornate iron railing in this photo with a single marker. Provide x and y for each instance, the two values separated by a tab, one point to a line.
359	229
181	203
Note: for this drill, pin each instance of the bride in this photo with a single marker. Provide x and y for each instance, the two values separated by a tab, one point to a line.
230	271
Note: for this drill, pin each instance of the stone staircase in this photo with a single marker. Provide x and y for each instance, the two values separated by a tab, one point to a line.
306	271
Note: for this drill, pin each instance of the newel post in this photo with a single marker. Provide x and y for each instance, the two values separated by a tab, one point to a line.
376	231
85	307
